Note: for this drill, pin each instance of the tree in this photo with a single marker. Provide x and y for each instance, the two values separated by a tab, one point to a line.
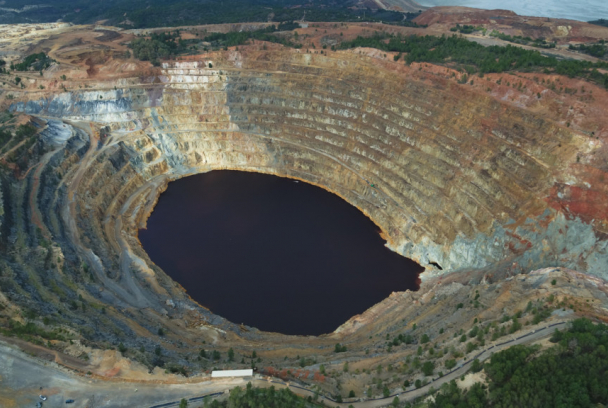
424	339
216	355
351	394
395	402
450	395
428	367
386	392
515	326
449	364
230	354
476	366
183	403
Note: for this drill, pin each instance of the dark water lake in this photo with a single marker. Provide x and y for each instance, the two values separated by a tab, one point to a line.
272	253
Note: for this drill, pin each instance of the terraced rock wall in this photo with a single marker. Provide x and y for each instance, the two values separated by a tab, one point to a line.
455	179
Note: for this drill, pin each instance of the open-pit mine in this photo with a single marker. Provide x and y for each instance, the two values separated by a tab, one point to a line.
496	184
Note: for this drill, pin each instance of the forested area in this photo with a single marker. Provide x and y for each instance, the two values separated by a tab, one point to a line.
596	50
33	62
171	13
158	46
573	373
476	58
265	34
450	50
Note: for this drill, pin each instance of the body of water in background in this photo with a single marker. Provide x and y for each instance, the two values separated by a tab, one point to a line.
586	10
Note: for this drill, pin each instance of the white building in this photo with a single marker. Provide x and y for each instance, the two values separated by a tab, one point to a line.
232	373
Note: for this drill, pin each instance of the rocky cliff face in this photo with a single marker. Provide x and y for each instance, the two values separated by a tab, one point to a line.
455	178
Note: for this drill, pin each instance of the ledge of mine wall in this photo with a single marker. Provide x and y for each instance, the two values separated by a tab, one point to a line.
566	242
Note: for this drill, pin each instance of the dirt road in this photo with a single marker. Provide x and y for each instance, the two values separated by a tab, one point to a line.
512	340
21	377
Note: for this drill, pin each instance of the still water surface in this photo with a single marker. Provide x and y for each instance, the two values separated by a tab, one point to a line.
583	10
272	253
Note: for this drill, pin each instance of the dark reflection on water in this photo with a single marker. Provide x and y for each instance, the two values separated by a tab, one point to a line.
272	253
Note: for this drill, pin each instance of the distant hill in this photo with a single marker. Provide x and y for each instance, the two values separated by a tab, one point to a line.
600	22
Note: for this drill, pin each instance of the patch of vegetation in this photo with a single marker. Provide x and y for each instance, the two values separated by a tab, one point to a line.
5	136
33	62
452	396
517	39
475	58
253	397
402	339
595	50
158	46
174	369
574	373
466	29
30	332
428	368
340	348
449	364
234	38
25	131
601	22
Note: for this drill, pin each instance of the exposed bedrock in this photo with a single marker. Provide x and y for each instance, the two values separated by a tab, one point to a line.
455	179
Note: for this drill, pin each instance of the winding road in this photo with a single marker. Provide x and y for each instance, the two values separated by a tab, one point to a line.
22	375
